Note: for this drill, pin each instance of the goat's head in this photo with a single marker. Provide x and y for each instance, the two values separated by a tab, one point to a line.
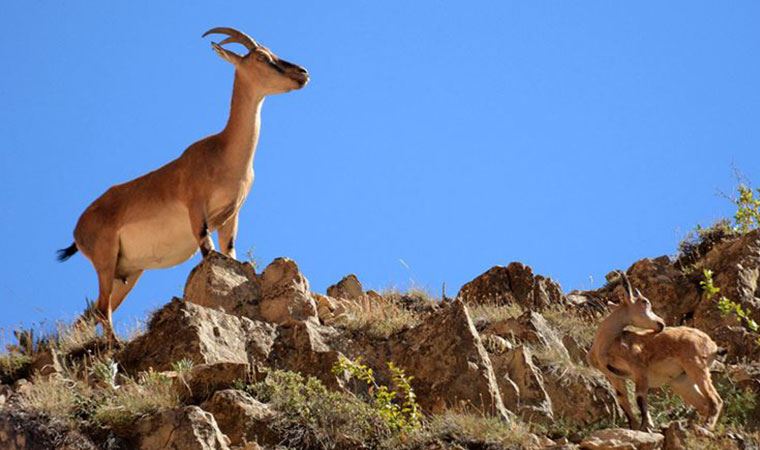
638	309
260	67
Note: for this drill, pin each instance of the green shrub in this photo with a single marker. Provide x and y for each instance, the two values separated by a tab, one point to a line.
310	416
400	415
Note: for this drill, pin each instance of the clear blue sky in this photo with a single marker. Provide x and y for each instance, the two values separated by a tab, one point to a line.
452	136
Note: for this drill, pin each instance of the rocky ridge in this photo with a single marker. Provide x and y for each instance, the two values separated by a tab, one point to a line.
510	348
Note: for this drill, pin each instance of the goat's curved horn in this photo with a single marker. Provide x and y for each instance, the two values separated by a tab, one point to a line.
627	284
234	36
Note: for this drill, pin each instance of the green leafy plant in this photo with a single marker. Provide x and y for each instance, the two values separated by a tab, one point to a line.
400	414
747	216
725	305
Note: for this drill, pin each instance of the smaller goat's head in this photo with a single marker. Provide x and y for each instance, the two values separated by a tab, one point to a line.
638	309
260	67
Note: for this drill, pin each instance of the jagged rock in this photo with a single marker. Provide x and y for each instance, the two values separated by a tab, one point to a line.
187	428
574	349
349	288
241	417
182	330
20	430
514	283
516	368
530	327
285	293
622	439
304	347
223	282
449	364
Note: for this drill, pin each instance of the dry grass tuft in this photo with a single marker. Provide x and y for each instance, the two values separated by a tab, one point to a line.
381	318
121	406
56	396
494	313
567	322
473	427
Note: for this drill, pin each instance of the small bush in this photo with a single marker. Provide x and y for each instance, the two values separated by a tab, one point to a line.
747	216
700	241
56	396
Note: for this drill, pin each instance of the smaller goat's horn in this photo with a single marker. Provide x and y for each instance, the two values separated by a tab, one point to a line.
234	36
627	284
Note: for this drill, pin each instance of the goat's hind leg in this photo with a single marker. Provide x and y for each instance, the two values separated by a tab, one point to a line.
700	376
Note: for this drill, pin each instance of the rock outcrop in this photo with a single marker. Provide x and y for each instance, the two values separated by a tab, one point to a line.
514	283
183	330
450	366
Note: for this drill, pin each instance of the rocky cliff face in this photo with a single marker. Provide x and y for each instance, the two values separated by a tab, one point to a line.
248	360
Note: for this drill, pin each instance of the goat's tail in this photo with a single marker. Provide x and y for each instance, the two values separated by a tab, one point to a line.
68	252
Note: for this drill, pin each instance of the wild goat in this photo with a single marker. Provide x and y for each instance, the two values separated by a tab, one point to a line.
675	356
161	218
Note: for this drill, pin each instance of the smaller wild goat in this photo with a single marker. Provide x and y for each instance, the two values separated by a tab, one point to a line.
676	356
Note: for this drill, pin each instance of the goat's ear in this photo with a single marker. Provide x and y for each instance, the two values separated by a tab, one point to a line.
227	55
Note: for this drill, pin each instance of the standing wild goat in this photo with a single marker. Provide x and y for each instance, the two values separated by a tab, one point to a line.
676	356
161	219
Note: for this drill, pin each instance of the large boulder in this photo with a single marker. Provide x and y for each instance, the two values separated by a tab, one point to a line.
514	283
622	439
241	417
285	293
223	282
188	428
182	330
279	295
450	366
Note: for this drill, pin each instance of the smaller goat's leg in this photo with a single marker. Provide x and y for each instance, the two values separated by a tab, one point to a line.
199	225
684	387
621	393
227	234
642	389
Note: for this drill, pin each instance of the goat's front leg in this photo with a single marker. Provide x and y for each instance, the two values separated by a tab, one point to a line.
199	225
642	388
227	234
621	393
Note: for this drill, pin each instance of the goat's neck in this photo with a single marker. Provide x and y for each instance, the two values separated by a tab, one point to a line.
241	134
609	330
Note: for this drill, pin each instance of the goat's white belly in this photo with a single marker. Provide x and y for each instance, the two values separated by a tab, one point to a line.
164	239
